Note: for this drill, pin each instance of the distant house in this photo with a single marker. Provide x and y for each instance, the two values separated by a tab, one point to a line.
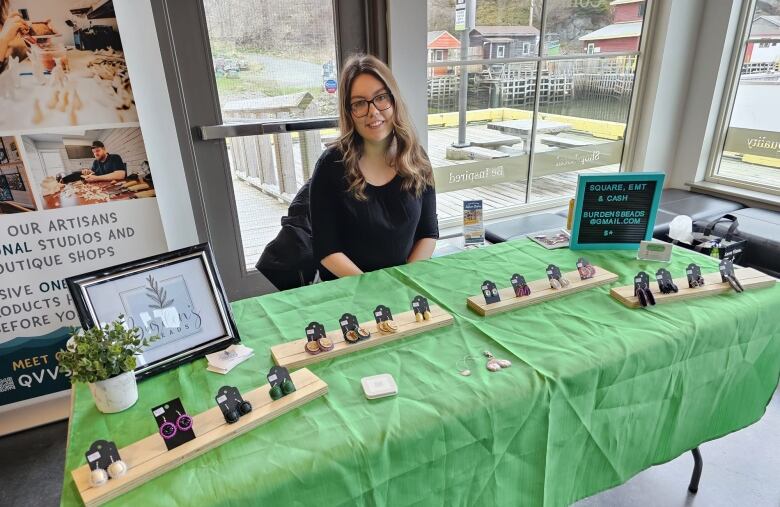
623	34
766	28
442	46
504	41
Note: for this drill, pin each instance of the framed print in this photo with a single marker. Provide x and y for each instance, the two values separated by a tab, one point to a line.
177	296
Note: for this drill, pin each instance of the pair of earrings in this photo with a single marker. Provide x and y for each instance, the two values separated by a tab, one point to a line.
282	389
522	290
696	281
493	364
421	316
168	429
734	283
233	415
586	271
356	334
645	295
386	326
557	283
323	344
116	469
667	287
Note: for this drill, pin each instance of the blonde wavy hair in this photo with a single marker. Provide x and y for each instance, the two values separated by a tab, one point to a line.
405	153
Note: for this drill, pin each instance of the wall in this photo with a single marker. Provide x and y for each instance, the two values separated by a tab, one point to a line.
705	78
666	76
627	12
155	115
615	45
407	29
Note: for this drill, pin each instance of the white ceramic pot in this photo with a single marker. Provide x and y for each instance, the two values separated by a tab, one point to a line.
115	394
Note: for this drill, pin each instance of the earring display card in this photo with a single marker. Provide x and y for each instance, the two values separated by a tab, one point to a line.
641	280
665	282
228	398
490	291
101	454
726	269
277	375
315	331
713	284
540	291
585	269
292	354
519	285
149	458
173	416
693	273
553	271
420	305
348	322
382	313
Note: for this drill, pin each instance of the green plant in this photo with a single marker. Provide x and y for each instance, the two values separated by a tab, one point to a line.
101	353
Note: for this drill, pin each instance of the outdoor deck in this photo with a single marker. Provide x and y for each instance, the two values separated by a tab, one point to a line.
260	213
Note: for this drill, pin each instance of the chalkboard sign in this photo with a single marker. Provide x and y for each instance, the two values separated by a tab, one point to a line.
615	211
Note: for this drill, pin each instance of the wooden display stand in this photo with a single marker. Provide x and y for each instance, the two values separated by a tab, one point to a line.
540	292
292	354
149	458
749	278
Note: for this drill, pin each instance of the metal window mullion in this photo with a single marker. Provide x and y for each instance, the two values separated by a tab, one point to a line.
730	94
637	88
521	59
537	99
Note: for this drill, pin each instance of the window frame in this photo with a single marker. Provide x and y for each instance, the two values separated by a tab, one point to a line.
726	108
638	90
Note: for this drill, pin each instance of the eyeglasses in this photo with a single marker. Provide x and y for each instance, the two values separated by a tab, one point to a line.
360	108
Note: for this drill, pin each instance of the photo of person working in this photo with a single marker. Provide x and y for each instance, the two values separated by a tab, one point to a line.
106	167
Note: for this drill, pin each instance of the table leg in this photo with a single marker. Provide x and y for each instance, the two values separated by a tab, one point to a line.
697	466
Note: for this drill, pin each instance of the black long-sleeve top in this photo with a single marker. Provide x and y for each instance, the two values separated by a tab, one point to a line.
376	233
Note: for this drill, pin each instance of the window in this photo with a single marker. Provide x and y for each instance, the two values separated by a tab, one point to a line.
748	152
267	68
548	111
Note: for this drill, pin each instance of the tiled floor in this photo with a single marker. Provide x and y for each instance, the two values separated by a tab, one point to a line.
741	469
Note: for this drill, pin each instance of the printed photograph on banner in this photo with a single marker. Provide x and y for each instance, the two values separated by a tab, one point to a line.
61	64
16	194
76	168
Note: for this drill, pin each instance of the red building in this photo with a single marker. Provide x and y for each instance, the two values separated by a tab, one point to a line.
623	34
442	46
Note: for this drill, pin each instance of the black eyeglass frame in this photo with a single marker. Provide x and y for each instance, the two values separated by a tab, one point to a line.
368	105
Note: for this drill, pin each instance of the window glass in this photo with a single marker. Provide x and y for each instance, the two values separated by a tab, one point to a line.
751	152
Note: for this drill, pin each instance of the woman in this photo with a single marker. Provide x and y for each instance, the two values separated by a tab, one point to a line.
11	28
373	204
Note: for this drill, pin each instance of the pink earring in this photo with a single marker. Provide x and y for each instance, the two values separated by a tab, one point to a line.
494	364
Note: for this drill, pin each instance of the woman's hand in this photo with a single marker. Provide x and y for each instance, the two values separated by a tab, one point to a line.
10	31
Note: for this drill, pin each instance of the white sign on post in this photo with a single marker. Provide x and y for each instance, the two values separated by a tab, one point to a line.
460	17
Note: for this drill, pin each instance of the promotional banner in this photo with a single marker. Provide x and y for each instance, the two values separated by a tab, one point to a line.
76	187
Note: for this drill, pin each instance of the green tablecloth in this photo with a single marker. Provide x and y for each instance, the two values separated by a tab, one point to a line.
597	392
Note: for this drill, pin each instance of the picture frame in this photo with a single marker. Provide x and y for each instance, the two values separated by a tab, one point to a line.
177	296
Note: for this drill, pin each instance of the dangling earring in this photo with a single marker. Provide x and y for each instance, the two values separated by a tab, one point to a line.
465	371
494	364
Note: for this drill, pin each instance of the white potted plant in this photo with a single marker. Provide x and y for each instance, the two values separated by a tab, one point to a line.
104	358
